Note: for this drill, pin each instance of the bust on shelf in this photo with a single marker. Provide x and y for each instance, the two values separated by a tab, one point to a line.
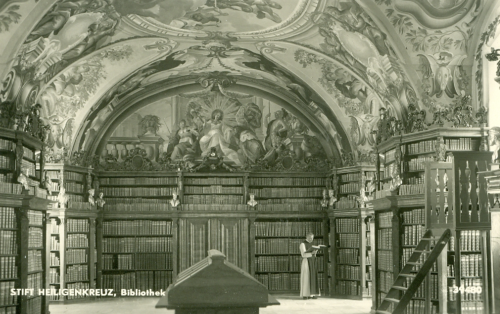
324	201
252	202
62	198
174	202
91	197
100	201
332	197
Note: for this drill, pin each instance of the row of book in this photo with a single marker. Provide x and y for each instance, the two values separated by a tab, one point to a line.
411	189
213	199
348	256
385	220
280	246
459	144
348	240
139	181
475	307
384	239
293	201
350	177
54	259
73	187
153	261
7	144
72	198
388	171
54	243
137	227
5	296
213	189
35	218
390	155
348	288
155	280
118	261
288	228
138	191
54	226
6	162
421	147
35	281
386	280
8	267
35	237
347	225
412	234
350	188
75	287
54	276
131	245
213	180
7	177
407	252
146	206
34	305
471	265
367	290
75	256
8	242
280	282
347	202
414	216
287	192
10	188
284	263
414	180
68	175
416	307
288	207
28	153
287	181
7	218
77	273
34	260
417	164
348	272
384	259
470	240
77	225
206	207
81	206
77	240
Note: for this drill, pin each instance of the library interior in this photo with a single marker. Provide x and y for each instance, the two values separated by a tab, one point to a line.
237	156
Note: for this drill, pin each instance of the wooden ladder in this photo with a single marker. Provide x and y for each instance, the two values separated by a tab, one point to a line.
392	297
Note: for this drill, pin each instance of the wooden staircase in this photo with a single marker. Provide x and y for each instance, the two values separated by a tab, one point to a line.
394	302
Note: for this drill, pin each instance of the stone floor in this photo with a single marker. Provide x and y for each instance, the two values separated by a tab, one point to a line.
289	305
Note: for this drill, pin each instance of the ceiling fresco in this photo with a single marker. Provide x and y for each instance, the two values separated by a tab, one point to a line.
216	15
333	63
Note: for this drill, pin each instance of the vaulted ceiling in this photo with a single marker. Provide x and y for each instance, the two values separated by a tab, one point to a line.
332	63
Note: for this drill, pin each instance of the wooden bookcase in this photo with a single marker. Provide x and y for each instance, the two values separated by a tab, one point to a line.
350	180
432	197
22	225
72	233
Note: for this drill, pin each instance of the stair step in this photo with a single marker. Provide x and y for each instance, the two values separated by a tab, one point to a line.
391	300
414	263
428	239
400	288
407	275
422	251
382	312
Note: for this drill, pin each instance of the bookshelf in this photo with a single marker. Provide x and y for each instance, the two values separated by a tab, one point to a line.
136	254
22	225
277	260
350	182
133	192
208	192
287	192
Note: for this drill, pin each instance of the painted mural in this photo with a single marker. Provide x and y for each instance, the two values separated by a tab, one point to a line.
81	62
244	131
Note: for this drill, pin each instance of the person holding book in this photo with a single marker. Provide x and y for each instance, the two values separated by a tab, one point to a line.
309	269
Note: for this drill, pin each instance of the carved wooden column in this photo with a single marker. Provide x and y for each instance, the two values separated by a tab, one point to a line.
180	187
62	250
46	260
23	236
333	261
98	245
251	245
92	249
175	246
